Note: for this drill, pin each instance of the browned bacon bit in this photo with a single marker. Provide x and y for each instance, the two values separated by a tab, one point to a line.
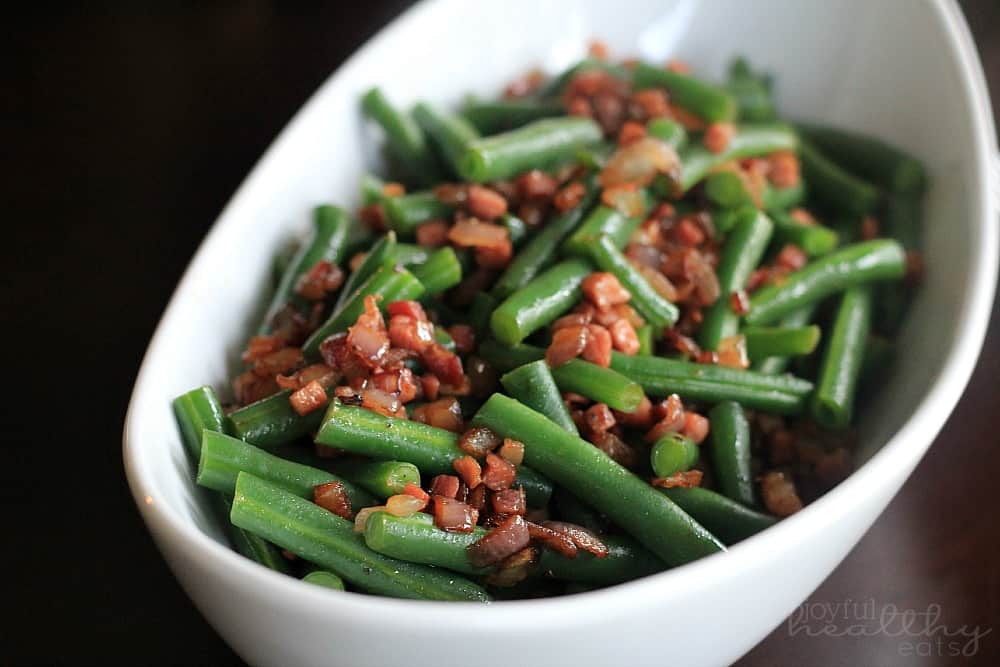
452	194
509	537
476	498
443	413
758	278
532	213
869	228
472	233
687	232
599	418
640	418
447	366
477	441
597	349
581	537
709	357
399	382
624	338
432	234
454	515
494	257
368	338
649	104
782	448
554	540
326	376
445	485
691	121
409	333
659	282
631	131
259	347
482	378
499	474
784	170
739	302
510	501
308	399
338	355
603	290
791	257
620	451
382	403
333	496
464	337
317	282
279	361
469	470
639	163
514	569
577	319
670	413
430	385
579	106
348	395
567	343
512	451
484	203
695	427
683	480
373	217
412	489
536	185
248	387
779	495
569	196
392	189
409	308
609	111
683	344
573	400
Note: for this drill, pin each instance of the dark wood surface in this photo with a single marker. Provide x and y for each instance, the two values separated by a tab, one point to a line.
128	131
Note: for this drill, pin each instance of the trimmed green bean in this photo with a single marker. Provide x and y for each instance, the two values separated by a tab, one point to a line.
833	403
796	319
392	284
603	221
729	445
626	560
669	131
654	308
857	264
728	520
902	221
533	385
645	336
431	449
727	189
271	422
745	245
322	537
749	141
834	186
251	546
371	188
871	158
324	579
223	458
440	272
492	116
699	97
815	240
404	213
516	229
538	253
479	313
763	342
775	199
673	453
554	87
330	225
782	394
198	411
381	255
510	153
505	358
539	302
411	254
586	471
404	139
380	478
416	539
449	133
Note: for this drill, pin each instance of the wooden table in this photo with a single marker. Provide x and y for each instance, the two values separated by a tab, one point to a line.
130	131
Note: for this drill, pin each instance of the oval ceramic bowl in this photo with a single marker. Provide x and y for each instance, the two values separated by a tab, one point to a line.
904	70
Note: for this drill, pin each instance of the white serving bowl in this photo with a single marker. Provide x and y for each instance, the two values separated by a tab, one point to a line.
905	70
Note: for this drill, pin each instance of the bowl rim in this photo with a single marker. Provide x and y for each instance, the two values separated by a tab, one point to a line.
929	415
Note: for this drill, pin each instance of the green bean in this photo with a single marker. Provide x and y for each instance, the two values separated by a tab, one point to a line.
327	244
508	154
324	579
608	487
782	394
411	254
380	478
729	445
604	221
902	221
727	189
271	422
626	560
871	158
372	189
392	284
775	200
795	319
491	116
749	141
538	253
745	245
699	97
448	132
404	213
431	449
645	336
753	100
603	385
852	265
728	520
673	453
479	313
198	411
404	139
224	457
444	338
440	272
417	540
516	229
246	543
322	537
572	509
815	240
654	308
833	402
539	302
763	342
532	384
834	186
381	255
669	131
